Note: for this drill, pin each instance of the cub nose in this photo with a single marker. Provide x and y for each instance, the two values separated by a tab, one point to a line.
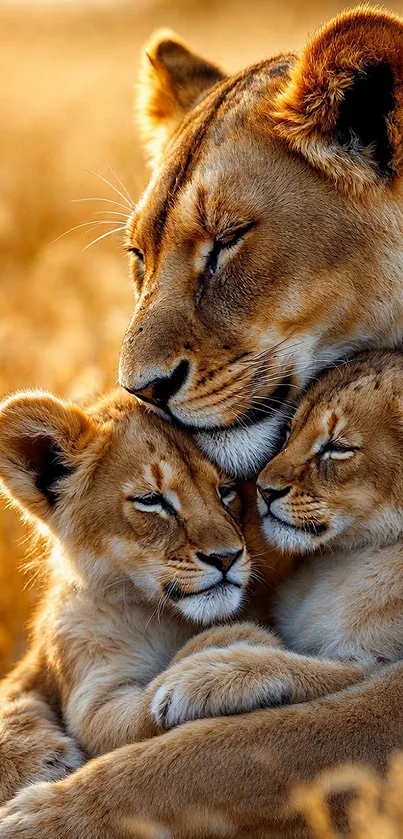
270	494
160	390
222	561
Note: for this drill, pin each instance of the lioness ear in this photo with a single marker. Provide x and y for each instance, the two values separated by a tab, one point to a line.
42	441
172	80
343	107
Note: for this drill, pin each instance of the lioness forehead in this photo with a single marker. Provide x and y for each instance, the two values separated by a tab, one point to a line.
212	121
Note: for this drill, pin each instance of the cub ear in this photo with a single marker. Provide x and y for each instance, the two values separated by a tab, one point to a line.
42	441
172	80
343	106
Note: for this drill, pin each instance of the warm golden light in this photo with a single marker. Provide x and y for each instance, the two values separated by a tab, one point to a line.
68	70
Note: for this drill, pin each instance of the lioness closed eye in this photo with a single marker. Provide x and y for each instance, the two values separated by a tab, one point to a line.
146	547
270	233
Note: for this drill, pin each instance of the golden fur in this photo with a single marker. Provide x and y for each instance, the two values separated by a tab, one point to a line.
338	483
113	668
269	238
334	494
115	655
128	583
268	251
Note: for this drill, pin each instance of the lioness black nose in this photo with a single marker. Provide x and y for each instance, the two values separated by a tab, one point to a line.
160	390
270	494
222	561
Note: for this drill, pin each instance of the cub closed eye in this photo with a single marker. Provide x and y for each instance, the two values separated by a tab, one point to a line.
227	494
337	451
153	502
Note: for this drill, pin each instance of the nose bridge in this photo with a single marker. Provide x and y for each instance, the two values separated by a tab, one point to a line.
278	473
156	341
214	533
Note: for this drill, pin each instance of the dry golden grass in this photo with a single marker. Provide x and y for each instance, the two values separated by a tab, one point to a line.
67	72
376	809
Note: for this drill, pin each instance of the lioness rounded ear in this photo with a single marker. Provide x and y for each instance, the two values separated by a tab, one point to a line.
42	441
343	107
172	80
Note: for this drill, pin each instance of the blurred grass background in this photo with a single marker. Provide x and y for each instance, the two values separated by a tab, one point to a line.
67	71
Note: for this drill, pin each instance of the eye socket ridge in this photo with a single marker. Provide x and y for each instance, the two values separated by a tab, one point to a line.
153	502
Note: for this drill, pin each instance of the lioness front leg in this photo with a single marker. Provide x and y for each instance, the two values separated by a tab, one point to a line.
243	677
234	771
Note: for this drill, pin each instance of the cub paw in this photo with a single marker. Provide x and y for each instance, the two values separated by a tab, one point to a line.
217	683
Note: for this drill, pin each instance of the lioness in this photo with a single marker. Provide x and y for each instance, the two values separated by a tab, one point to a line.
269	240
268	244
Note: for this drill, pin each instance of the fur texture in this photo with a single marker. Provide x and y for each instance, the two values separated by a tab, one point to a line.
334	495
336	485
146	547
135	512
318	274
269	241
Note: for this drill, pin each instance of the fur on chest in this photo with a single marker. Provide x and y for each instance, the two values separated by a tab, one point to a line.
345	605
130	640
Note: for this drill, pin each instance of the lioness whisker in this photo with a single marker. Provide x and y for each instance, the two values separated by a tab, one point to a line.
273	348
119	180
106	200
111	213
108	183
270	356
104	235
89	224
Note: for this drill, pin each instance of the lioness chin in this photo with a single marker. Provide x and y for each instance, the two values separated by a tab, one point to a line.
267	245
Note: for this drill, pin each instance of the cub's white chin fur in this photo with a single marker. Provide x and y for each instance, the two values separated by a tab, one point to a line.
216	604
283	536
243	451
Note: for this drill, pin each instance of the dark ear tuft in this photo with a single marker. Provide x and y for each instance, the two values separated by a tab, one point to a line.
45	460
364	112
342	108
42	441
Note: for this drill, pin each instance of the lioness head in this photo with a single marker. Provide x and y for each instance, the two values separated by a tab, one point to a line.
339	476
269	239
129	498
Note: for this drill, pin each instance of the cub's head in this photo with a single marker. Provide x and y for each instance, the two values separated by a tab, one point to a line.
339	476
130	500
267	237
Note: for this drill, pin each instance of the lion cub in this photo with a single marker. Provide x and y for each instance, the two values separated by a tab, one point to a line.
335	494
146	547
